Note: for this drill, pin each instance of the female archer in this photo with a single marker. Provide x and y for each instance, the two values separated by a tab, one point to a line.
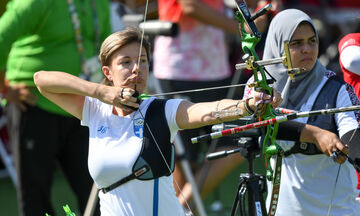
131	157
309	182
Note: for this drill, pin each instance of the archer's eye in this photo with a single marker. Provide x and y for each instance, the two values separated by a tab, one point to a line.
295	44
313	41
143	62
125	63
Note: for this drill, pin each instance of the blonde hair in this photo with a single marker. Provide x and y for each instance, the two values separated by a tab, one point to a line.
117	40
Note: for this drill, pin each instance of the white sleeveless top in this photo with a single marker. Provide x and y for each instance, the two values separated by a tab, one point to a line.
115	143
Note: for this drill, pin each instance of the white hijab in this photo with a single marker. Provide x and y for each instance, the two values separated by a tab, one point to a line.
294	93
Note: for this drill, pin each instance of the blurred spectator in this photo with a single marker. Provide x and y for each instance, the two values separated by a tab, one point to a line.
349	50
349	59
118	8
48	35
2	9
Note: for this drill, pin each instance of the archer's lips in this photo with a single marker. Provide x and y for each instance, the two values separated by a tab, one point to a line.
307	60
134	79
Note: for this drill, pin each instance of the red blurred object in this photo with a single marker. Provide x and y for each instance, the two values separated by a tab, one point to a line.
5	138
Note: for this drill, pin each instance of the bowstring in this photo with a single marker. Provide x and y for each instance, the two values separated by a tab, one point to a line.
142	115
333	192
198	90
336	180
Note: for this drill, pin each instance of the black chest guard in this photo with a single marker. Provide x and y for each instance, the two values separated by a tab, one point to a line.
150	163
156	126
326	99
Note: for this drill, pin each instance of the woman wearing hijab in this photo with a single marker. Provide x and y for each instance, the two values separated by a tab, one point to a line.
309	184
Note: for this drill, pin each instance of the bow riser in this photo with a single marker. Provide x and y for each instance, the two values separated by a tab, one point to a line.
248	44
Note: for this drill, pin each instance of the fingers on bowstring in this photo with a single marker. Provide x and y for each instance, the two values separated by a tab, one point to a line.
342	149
340	155
128	99
128	94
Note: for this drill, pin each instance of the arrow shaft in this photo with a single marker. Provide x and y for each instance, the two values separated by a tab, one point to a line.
277	119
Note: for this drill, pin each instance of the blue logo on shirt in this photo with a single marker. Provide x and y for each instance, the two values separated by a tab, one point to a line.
138	127
103	129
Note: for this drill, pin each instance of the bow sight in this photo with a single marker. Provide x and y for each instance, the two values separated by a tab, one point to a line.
249	42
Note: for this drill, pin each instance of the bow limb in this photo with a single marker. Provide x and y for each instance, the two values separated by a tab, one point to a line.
275	186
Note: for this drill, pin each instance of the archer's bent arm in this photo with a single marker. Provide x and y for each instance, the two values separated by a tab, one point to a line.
68	91
65	90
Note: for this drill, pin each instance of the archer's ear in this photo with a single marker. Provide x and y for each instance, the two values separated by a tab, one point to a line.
107	74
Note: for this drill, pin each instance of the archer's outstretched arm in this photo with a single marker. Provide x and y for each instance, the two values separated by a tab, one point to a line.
195	115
